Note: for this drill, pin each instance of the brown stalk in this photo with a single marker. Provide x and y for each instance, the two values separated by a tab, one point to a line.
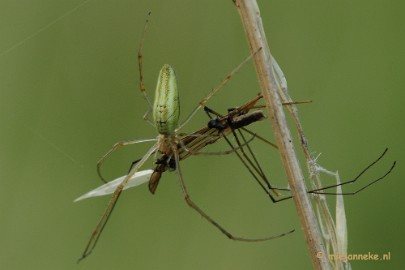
252	24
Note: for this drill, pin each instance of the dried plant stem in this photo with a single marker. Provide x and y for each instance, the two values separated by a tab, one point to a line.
251	20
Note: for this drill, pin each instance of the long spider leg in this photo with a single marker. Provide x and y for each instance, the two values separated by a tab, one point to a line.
140	57
115	147
259	177
208	218
260	170
260	138
225	152
253	168
251	171
209	111
319	190
107	213
256	166
216	89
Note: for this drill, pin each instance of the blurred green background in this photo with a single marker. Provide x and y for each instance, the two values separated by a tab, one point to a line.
69	90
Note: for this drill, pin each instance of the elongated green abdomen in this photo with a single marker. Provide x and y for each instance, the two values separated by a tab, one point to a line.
166	108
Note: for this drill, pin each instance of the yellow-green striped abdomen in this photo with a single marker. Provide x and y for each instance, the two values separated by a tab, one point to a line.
166	108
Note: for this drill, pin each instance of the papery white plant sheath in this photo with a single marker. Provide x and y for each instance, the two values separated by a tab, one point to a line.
139	178
341	225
